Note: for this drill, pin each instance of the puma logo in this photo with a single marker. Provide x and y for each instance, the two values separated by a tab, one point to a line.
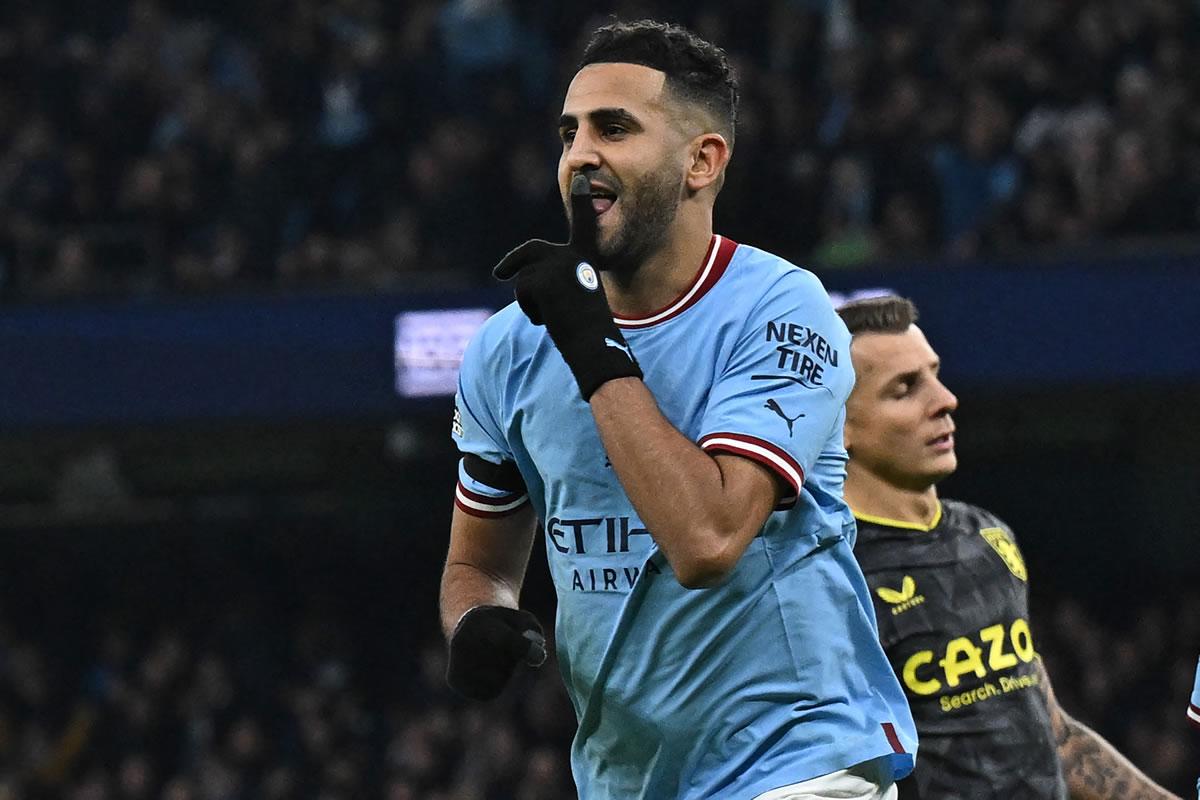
624	348
771	404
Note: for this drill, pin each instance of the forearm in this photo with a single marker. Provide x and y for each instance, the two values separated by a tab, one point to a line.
485	563
1094	770
679	491
465	586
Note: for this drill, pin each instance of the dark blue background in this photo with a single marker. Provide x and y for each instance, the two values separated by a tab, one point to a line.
308	357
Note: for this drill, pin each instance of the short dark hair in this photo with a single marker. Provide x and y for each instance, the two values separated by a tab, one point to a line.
697	71
888	314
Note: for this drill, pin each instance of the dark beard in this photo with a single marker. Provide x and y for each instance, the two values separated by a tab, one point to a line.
648	212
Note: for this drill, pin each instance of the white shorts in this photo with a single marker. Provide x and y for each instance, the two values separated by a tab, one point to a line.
870	780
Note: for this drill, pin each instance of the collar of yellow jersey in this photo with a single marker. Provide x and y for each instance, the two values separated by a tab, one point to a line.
896	523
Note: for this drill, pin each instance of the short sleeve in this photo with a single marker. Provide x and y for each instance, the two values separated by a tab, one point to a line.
781	397
489	483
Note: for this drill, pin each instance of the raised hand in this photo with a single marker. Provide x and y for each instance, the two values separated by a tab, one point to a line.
558	285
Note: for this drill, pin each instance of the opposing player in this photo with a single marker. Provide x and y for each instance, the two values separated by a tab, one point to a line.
674	419
950	588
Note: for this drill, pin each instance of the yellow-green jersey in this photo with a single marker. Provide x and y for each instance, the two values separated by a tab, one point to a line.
952	603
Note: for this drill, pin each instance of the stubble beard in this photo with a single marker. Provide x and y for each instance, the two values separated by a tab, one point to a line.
647	214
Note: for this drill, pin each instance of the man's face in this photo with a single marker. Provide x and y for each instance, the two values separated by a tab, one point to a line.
619	129
898	424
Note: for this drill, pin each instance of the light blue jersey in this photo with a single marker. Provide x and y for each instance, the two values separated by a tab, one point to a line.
776	675
1193	712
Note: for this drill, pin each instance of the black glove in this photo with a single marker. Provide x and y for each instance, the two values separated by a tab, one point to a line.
486	646
558	285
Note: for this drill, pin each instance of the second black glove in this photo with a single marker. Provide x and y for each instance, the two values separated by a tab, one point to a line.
558	285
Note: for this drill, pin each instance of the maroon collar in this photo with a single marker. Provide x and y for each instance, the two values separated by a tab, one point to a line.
720	252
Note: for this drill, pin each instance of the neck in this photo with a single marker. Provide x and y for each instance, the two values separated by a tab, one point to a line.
667	272
870	495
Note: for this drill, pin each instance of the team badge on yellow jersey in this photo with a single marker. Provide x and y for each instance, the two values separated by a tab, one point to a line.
1007	550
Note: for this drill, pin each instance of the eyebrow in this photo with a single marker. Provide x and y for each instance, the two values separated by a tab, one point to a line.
912	375
904	377
601	116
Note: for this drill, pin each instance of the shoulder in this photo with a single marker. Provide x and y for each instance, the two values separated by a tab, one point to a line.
503	346
769	288
877	545
870	532
881	547
771	273
506	332
868	542
972	518
501	326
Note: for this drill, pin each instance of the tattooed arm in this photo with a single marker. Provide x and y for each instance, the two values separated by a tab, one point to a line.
1093	768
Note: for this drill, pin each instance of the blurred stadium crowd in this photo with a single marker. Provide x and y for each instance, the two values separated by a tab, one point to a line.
195	146
263	696
173	147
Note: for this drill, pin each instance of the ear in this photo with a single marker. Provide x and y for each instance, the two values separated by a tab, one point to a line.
849	427
707	157
848	437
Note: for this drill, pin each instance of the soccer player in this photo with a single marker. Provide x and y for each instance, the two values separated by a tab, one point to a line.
950	588
1193	713
674	420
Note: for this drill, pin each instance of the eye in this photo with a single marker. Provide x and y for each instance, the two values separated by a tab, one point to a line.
567	135
612	131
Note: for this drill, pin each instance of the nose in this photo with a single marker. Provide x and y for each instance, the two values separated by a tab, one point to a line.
947	402
582	153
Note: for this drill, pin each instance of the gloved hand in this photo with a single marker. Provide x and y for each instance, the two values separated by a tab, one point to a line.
558	285
486	646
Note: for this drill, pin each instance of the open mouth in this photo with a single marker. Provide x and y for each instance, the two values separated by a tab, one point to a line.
943	442
603	199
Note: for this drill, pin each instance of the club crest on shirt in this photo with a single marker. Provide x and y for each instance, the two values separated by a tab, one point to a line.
1006	548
